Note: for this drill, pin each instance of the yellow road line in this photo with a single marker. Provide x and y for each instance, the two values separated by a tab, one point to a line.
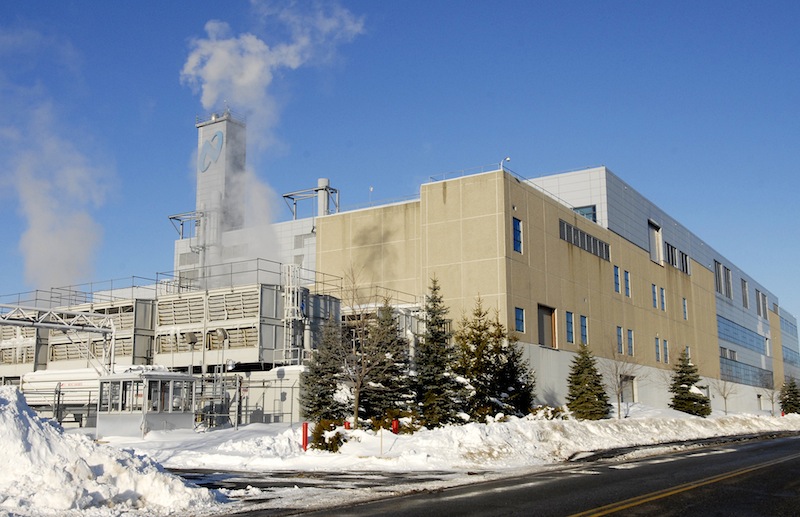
653	496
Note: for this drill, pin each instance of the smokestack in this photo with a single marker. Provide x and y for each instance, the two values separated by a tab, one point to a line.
322	196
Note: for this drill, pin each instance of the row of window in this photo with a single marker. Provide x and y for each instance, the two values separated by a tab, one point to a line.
734	371
677	258
627	275
791	356
625	337
735	333
583	240
662	350
620	343
659	293
723	284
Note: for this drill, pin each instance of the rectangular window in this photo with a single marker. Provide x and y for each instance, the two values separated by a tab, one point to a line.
616	279
685	309
584	330
761	303
655	296
630	342
663	300
589	212
671	254
723	280
745	294
519	319
728	283
628	284
684	264
517	235
732	355
658	350
570	328
665	355
656	242
619	340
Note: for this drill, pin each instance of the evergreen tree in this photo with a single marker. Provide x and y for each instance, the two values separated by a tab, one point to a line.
586	394
790	397
438	394
387	392
491	362
685	396
319	382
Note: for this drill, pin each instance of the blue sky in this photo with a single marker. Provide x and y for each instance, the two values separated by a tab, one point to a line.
695	104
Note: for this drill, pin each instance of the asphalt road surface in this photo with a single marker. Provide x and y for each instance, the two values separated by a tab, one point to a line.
759	478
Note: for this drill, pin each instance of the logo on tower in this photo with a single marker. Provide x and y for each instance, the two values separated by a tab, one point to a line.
210	151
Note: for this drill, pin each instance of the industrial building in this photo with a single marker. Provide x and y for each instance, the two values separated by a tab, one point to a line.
567	259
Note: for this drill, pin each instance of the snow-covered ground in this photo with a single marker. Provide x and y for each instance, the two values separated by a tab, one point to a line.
57	473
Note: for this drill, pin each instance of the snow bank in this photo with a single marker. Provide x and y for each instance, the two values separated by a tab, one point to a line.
510	443
49	472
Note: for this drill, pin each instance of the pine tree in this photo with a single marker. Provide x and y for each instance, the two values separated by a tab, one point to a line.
586	394
439	396
685	396
387	393
790	397
319	382
490	361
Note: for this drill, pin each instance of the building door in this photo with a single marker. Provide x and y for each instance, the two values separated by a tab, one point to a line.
546	326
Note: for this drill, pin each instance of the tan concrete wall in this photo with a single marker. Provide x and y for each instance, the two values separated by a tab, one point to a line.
461	232
381	245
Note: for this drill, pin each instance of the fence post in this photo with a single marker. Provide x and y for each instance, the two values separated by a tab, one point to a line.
305	436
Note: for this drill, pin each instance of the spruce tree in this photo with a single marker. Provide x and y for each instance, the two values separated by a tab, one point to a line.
586	394
490	361
685	396
790	397
319	382
387	394
439	396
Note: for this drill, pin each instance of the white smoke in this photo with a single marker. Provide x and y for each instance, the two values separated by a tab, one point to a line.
239	69
57	187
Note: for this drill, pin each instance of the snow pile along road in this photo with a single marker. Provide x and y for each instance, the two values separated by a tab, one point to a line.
507	443
48	472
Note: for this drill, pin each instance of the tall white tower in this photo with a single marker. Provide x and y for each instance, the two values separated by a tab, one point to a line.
221	144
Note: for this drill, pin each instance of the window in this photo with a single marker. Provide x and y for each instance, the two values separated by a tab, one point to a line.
570	328
517	235
619	340
583	240
671	254
658	350
589	212
745	294
519	319
655	297
684	263
584	330
663	300
630	342
761	303
723	280
654	229
616	279
685	310
628	284
665	347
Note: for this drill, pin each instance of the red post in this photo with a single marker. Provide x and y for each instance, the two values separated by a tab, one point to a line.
305	436
347	424
395	426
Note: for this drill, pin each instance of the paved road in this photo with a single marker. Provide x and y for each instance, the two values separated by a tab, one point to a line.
755	478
